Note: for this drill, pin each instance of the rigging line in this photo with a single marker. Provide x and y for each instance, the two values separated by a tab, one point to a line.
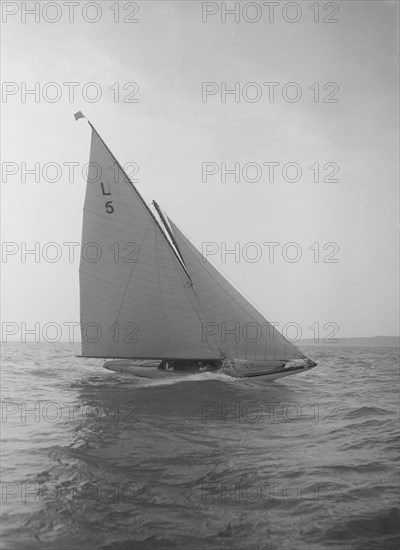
127	284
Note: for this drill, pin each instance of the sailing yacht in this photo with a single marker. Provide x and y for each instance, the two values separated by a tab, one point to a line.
151	304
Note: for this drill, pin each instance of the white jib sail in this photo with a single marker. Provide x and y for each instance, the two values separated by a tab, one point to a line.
231	322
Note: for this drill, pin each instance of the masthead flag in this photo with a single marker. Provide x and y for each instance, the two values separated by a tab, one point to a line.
79	115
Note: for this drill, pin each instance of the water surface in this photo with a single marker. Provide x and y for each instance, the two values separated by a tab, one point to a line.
94	459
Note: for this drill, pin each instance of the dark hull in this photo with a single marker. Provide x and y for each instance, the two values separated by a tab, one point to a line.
151	369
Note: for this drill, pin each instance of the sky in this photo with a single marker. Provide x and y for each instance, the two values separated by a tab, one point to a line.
142	82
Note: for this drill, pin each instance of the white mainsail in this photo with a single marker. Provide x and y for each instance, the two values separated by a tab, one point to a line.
136	299
235	326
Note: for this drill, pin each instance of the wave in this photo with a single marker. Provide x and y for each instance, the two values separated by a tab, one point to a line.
145	382
366	411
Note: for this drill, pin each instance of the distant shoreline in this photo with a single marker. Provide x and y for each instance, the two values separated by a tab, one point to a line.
367	341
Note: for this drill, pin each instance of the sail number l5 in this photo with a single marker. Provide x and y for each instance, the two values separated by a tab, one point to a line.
108	205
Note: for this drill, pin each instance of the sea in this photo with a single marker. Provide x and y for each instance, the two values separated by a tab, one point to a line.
98	460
